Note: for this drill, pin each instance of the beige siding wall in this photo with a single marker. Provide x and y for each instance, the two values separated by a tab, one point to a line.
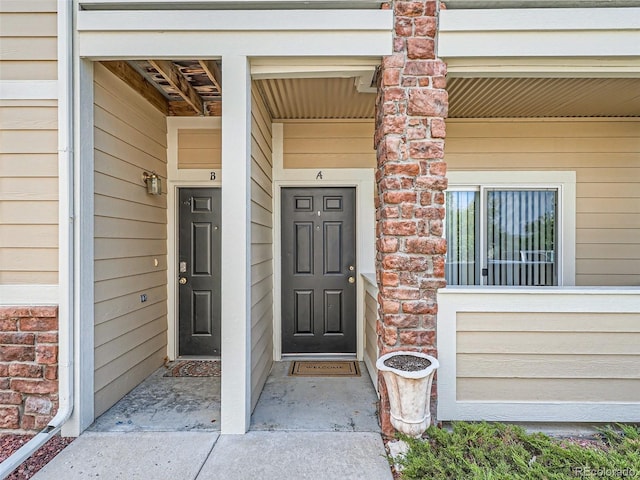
28	148
605	154
261	247
28	44
200	148
130	235
548	357
329	144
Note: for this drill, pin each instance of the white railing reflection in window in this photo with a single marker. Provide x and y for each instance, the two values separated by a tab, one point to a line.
520	237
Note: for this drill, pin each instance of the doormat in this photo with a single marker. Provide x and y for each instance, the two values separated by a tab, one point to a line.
325	369
193	368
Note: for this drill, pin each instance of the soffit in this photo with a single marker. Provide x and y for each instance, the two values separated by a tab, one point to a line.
316	98
543	97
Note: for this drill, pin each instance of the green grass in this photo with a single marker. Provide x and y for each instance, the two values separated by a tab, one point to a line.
494	451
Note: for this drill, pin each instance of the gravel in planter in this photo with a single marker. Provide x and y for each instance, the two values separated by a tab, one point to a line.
407	363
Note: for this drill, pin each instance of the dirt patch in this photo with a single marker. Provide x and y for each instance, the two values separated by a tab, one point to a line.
407	363
9	443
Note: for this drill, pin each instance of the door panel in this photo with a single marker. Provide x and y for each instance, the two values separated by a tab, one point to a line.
318	258
199	271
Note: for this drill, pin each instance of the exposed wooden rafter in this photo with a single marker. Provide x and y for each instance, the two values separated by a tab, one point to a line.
172	74
213	72
183	109
131	77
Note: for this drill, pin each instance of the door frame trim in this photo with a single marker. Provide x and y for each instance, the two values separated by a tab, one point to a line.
177	178
363	180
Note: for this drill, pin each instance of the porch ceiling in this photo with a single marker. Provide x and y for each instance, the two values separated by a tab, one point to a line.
543	97
194	88
316	98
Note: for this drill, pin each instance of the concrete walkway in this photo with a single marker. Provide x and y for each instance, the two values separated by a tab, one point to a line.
208	456
302	428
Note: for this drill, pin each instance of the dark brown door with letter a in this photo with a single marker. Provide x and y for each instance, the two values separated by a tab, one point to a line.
199	271
318	270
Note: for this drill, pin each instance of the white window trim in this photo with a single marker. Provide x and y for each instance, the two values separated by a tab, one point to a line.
564	181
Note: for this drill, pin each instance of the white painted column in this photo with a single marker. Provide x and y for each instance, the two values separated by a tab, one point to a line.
83	284
236	248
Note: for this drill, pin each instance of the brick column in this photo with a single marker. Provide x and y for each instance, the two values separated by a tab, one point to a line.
410	110
28	367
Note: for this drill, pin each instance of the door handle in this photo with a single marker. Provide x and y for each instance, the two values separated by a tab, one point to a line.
182	281
352	280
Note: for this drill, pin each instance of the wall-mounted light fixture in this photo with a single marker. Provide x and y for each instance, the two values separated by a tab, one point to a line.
154	183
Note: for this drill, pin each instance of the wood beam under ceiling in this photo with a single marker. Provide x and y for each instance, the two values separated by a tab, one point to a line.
131	77
183	109
172	74
213	72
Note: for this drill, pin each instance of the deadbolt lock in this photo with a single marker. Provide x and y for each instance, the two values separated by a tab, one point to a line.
351	268
182	281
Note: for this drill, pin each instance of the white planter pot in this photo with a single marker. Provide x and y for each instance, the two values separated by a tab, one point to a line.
409	394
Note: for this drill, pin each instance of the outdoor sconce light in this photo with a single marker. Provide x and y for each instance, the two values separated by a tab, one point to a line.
154	183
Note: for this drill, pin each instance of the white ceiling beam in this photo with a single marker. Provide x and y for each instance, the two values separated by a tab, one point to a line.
231	20
543	67
559	33
226	4
198	44
539	19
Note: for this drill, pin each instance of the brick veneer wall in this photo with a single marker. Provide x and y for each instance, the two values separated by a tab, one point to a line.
28	367
411	106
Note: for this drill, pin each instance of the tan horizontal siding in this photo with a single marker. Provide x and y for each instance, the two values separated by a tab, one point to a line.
261	248
549	390
550	357
28	41
130	237
335	144
28	191
200	148
605	154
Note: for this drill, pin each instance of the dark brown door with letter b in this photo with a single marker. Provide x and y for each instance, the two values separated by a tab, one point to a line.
318	270
199	271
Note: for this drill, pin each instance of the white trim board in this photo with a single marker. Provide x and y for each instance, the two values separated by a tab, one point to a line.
452	300
212	34
177	178
539	32
28	295
543	67
363	179
234	20
227	4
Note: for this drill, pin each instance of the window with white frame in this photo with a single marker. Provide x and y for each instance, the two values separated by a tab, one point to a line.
507	232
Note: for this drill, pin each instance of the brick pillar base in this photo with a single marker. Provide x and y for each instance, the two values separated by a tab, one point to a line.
28	367
410	110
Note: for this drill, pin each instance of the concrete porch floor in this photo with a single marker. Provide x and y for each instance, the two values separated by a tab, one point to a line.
179	404
314	428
